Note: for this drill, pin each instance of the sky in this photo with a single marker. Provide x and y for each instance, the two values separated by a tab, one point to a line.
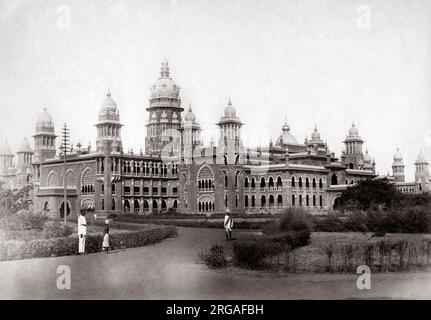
324	63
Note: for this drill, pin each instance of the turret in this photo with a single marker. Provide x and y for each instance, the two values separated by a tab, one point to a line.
44	138
398	167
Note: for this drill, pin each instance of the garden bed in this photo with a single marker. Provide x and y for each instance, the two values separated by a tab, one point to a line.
64	246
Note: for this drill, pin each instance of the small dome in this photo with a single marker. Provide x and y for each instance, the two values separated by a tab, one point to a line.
315	135
25	146
190	116
398	156
421	158
44	117
109	110
229	111
5	148
353	131
367	158
165	87
108	103
286	137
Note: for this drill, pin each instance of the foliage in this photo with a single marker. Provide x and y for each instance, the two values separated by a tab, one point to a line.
56	229
370	193
331	223
12	201
250	253
215	257
18	249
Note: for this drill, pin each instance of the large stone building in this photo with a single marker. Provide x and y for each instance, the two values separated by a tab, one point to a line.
177	172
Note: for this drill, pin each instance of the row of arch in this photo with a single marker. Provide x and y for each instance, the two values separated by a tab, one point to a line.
87	179
300	182
307	201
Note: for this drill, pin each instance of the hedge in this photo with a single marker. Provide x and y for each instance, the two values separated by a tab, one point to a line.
65	246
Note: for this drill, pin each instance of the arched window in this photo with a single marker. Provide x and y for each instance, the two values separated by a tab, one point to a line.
314	183
351	166
155	206
271	201
300	182
307	200
52	180
293	200
113	188
175	204
164	205
253	201
321	201
293	181
246	182
320	183
262	201
279	200
262	183
205	178
246	201
87	181
334	180
70	180
253	183
300	200
307	182
279	182
225	201
225	181
271	182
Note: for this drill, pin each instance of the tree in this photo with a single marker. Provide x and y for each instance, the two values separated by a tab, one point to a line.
370	193
12	201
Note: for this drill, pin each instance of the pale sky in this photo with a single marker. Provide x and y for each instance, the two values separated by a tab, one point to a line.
313	62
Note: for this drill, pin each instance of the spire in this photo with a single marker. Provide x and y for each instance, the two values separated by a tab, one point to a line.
229	103
190	107
108	93
164	71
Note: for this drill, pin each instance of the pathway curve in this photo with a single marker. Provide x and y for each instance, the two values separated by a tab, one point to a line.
171	270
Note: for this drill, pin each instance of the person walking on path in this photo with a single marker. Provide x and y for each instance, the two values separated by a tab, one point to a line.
105	244
82	232
228	225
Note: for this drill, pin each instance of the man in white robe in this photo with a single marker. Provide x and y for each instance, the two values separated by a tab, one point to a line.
82	232
228	225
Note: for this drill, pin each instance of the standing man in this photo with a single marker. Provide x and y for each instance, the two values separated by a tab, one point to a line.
228	225
82	232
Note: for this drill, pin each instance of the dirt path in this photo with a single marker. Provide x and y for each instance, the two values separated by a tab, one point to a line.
171	270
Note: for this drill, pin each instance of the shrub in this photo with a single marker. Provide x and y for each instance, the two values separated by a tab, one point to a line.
330	223
55	229
250	253
356	222
215	257
295	220
16	249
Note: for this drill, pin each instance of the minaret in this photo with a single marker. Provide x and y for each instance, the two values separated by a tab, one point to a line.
230	144
164	114
109	127
398	167
44	138
421	172
25	159
6	158
190	136
353	156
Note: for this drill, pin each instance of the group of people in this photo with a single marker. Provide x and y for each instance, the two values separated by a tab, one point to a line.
82	234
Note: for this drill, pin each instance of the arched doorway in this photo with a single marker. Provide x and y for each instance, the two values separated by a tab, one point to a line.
163	205
155	206
62	209
337	203
126	205
136	205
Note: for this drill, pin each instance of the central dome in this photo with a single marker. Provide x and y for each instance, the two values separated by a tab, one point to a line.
398	156
286	137
108	103
165	87
353	131
229	111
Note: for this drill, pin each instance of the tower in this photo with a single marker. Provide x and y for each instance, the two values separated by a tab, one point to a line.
398	167
24	166
44	138
164	114
353	156
109	127
230	144
421	172
190	136
6	158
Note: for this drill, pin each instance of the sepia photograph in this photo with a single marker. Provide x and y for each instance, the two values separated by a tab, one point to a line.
190	150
